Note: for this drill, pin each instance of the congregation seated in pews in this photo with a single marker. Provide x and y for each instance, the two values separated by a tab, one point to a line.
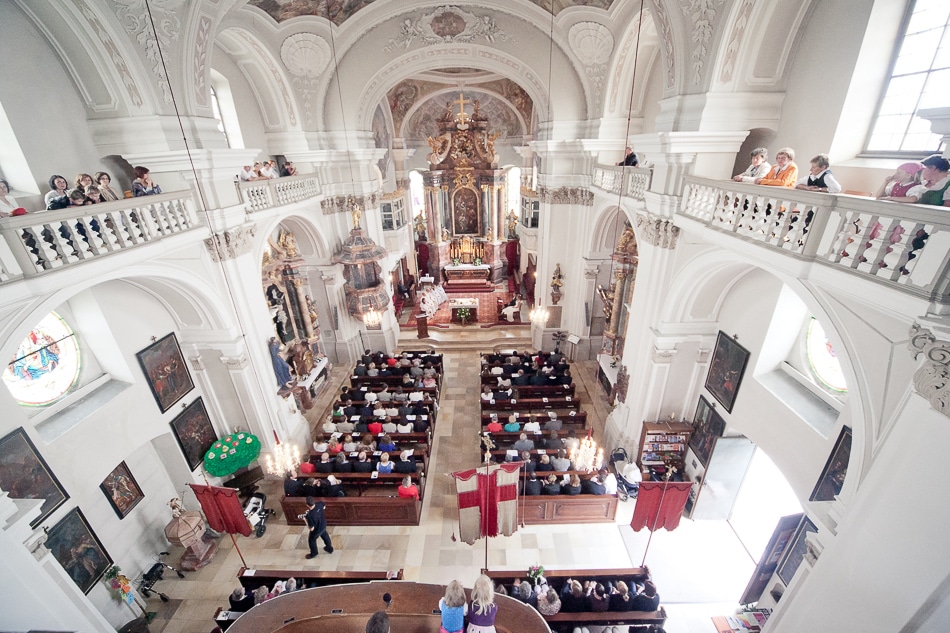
583	598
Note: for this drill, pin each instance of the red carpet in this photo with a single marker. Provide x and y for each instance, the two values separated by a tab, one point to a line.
487	311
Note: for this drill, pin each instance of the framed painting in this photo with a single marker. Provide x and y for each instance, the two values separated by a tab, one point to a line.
77	548
166	372
726	369
122	490
24	474
194	432
783	533
795	552
707	427
835	470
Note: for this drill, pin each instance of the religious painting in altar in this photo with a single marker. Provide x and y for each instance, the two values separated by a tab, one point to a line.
24	474
165	371
465	213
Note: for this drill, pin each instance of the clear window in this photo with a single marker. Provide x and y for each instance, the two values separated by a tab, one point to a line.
919	80
46	364
822	359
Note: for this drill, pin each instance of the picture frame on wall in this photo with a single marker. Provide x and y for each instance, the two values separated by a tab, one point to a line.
24	474
781	537
836	469
795	552
121	489
77	548
165	371
194	432
726	369
708	425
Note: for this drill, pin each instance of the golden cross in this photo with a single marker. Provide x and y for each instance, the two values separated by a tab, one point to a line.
462	101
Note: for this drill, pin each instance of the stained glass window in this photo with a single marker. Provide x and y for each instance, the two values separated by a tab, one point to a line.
46	364
822	360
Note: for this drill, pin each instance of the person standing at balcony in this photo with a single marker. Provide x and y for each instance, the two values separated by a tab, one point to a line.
143	185
819	177
758	168
108	193
56	197
288	170
784	172
935	189
247	174
7	202
899	183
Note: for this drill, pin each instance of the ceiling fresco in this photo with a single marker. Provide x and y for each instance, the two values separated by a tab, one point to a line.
502	119
338	11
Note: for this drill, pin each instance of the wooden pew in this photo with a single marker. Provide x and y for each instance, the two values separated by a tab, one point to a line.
572	420
407	439
529	405
564	621
533	391
251	579
395	419
367	510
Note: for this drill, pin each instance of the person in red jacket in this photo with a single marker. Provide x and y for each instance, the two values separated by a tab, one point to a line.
407	489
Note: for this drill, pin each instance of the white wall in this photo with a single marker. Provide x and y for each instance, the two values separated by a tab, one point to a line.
246	104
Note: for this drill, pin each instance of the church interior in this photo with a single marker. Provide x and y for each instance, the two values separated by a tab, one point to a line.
283	188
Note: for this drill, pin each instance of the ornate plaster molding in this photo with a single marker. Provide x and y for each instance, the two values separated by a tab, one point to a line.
196	363
341	204
566	195
666	37
702	14
235	363
932	379
623	383
593	43
658	231
447	25
735	40
662	356
134	17
200	63
112	51
306	56
231	244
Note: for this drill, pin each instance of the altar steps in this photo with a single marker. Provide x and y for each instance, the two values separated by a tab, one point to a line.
459	338
468	286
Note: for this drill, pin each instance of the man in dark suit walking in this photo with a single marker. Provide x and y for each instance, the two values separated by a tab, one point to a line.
317	522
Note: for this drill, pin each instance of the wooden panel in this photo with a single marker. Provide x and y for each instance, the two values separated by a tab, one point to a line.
369	510
568	509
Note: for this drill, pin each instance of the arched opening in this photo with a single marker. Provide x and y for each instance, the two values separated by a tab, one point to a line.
222	105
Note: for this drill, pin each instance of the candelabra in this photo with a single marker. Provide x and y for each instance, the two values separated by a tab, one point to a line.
539	316
586	456
372	318
285	459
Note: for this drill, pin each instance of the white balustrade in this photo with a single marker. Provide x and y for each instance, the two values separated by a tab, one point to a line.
51	240
903	244
265	194
632	181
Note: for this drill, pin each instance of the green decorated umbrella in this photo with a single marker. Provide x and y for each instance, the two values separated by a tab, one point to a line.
232	453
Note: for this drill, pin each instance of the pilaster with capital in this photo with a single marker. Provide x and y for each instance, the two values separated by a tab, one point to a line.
932	378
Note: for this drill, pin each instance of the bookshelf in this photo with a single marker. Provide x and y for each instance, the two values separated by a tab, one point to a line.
663	443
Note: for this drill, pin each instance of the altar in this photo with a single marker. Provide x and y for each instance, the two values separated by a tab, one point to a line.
456	305
467	277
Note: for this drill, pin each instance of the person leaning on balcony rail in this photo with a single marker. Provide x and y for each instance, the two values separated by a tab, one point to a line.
247	174
899	183
103	180
758	167
784	172
7	202
629	158
143	185
56	197
288	169
819	177
935	187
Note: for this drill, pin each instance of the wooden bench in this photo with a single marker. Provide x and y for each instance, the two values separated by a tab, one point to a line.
533	391
395	419
368	510
565	621
391	381
582	508
575	420
504	438
251	579
412	438
421	455
528	405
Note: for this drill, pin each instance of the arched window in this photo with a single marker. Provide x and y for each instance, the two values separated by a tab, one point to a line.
222	104
822	360
46	364
918	80
513	182
416	192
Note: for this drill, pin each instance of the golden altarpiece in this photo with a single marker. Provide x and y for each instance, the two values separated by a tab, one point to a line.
617	296
464	200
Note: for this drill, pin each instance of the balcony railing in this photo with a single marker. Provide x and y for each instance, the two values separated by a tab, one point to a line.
51	240
629	181
266	194
906	245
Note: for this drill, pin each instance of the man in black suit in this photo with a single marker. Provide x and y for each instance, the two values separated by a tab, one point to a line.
362	464
420	424
317	522
532	487
538	380
593	486
348	409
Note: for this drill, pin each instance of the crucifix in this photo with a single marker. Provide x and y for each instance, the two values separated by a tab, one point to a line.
462	101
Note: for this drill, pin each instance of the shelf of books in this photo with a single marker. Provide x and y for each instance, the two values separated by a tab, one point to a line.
663	444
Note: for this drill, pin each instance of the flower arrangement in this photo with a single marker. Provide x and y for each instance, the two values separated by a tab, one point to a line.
477	261
464	314
119	584
536	573
456	261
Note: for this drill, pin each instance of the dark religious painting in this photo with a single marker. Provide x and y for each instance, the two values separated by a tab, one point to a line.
77	548
194	432
166	372
707	427
25	475
795	552
783	533
726	370
835	470
465	213
122	490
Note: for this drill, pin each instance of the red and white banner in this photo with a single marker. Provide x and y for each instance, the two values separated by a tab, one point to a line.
488	501
660	504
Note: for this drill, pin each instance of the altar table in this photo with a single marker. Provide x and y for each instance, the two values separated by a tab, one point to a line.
457	304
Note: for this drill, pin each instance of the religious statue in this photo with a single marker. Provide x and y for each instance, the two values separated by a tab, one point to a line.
489	236
625	238
301	359
281	368
288	243
557	280
607	296
420	225
512	224
357	212
445	234
312	311
177	508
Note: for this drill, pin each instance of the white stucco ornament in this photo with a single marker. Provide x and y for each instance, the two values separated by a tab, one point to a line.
932	378
305	54
447	25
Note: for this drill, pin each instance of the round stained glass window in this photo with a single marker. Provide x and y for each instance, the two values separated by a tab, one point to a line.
822	358
46	364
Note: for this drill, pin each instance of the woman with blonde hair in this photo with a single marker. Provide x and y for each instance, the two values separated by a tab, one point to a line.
482	610
453	608
548	602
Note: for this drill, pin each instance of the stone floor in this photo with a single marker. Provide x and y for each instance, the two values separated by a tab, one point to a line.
431	551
